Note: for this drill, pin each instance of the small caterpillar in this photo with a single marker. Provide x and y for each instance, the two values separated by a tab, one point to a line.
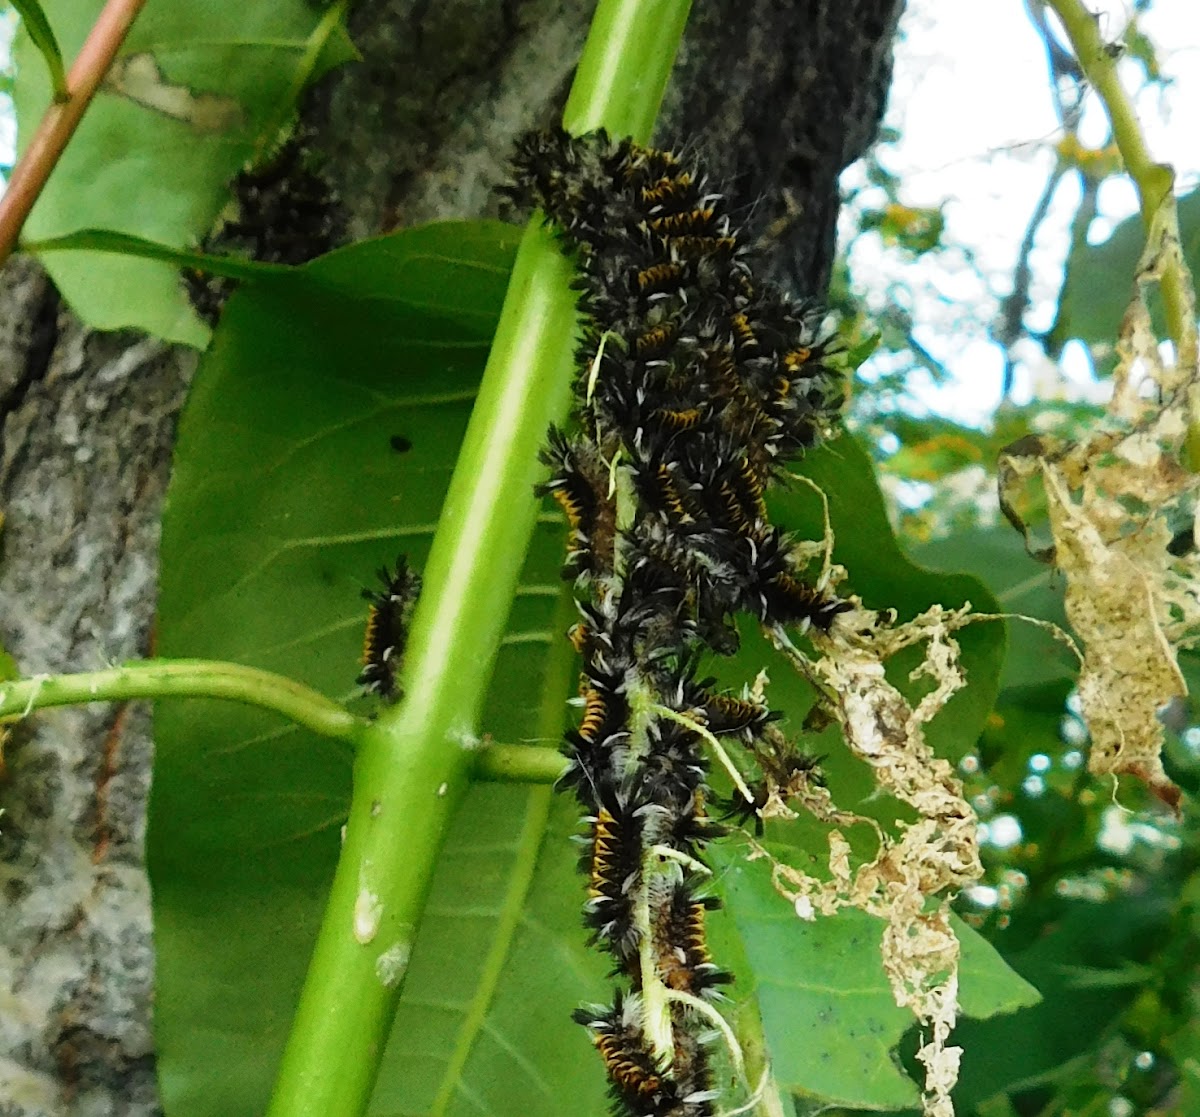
387	629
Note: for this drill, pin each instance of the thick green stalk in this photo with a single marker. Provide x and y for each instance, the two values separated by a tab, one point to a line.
414	764
183	678
624	67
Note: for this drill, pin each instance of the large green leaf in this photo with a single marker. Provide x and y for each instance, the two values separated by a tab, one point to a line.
105	240
198	90
318	442
491	1031
832	1023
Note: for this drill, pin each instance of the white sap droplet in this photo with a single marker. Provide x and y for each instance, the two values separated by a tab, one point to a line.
368	912
391	964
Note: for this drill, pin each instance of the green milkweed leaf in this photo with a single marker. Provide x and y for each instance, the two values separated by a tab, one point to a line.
198	91
105	240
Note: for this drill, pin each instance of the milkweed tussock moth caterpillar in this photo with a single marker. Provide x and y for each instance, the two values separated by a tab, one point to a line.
696	383
638	1083
387	628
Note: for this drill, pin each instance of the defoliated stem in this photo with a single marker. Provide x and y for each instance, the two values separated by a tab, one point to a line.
656	1012
183	678
1155	181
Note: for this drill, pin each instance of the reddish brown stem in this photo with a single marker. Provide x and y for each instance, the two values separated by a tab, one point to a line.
58	125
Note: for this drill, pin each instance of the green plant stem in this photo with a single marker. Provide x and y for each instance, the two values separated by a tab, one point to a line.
45	149
533	764
204	678
183	678
414	764
624	67
1155	182
519	764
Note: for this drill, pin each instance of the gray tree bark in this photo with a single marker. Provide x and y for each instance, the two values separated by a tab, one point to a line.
776	96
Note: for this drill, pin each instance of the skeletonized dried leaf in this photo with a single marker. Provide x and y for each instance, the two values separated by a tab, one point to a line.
914	875
1111	500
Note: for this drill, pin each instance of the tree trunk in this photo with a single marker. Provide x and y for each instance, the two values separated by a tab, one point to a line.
776	96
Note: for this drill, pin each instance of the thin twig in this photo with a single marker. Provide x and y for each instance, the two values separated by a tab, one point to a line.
29	176
1054	340
1013	308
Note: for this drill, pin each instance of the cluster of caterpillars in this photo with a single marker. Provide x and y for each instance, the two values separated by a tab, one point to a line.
696	383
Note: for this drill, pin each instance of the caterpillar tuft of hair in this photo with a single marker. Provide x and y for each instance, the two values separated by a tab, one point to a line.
696	383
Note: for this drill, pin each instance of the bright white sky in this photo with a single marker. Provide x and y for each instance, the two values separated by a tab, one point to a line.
972	103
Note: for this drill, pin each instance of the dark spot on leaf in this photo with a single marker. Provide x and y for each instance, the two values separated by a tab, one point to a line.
400	444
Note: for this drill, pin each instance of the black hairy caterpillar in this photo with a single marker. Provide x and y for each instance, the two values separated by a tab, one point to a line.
281	211
681	934
637	1082
696	383
387	628
579	483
